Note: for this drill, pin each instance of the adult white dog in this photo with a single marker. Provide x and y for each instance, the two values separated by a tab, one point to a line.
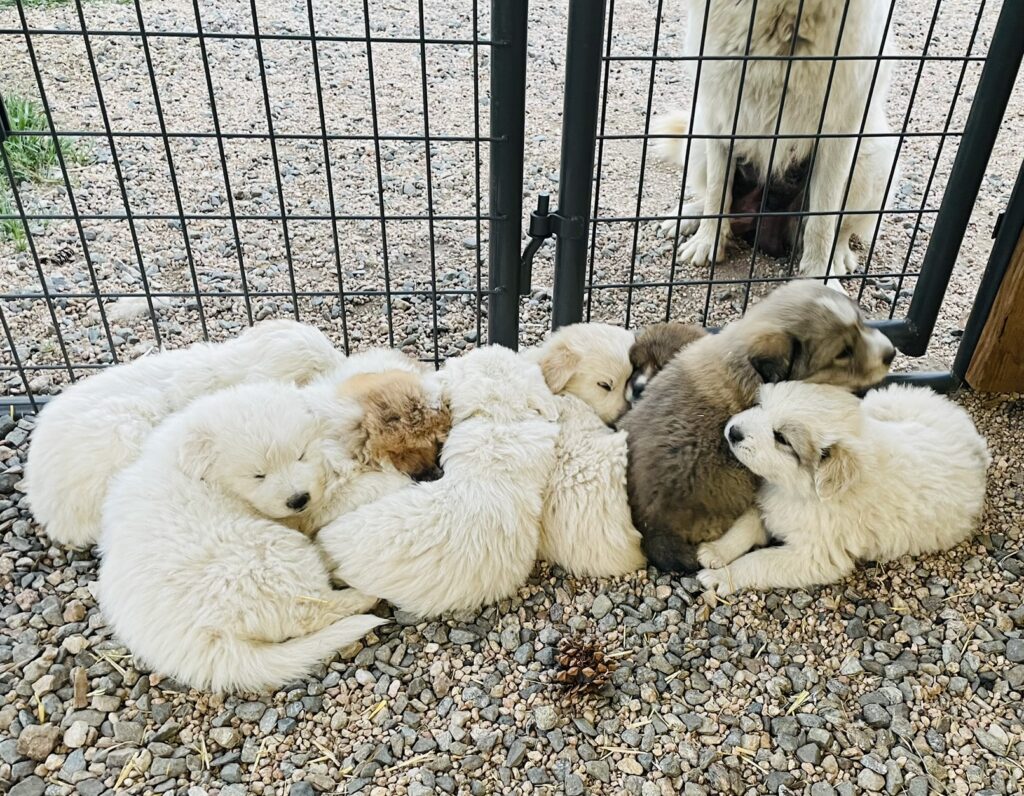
586	527
199	577
470	537
901	472
98	425
853	93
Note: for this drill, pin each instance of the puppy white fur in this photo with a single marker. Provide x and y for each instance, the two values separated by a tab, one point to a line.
97	426
471	537
590	361
586	526
901	472
850	102
199	577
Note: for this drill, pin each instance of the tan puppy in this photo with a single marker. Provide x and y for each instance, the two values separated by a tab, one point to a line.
653	349
684	486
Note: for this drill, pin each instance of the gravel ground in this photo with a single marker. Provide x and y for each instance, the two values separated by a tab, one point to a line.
903	679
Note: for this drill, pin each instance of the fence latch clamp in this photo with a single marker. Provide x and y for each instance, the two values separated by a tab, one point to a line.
544	224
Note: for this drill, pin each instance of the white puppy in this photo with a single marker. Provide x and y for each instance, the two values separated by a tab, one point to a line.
769	85
471	537
901	472
97	426
586	527
590	361
199	577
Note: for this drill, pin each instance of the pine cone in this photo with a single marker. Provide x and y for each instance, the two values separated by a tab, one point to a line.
582	666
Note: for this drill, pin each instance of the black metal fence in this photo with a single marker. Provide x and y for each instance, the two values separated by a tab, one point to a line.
213	166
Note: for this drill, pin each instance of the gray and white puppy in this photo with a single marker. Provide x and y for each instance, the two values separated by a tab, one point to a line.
684	486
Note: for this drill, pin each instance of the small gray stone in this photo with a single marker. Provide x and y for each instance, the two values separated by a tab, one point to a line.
37	741
599	770
30	786
250	711
601	607
876	716
871	781
1015	650
822	789
546	717
994	739
303	789
516	754
460	636
809	753
573	785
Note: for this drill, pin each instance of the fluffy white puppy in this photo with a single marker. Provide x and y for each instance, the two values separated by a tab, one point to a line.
586	527
470	537
98	425
199	576
901	472
590	361
847	174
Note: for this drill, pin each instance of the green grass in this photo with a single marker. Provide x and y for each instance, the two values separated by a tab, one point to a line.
32	158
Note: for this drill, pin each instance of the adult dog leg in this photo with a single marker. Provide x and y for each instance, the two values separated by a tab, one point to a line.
785	567
828	187
746	533
709	242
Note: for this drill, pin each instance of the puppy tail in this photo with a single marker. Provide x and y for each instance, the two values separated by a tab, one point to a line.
673	150
669	553
259	665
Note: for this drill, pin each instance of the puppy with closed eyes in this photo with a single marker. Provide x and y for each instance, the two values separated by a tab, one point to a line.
654	348
684	486
843	480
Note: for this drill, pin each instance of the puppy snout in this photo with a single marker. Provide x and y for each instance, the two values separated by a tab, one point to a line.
430	474
734	434
636	387
298	501
889	355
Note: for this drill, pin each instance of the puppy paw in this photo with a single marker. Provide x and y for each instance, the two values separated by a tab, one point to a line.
700	250
709	556
716	580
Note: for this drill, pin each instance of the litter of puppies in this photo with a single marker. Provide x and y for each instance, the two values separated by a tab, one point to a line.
251	510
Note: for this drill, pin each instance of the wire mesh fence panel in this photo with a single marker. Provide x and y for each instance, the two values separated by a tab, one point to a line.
842	103
208	165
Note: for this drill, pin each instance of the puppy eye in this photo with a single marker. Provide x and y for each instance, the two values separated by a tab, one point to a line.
781	439
846	353
604	385
259	477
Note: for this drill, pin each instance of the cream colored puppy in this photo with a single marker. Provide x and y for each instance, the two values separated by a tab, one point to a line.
471	537
97	426
900	473
199	577
586	527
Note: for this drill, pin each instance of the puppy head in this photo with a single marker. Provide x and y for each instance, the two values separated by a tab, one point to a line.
404	422
259	443
496	383
807	331
653	349
590	361
801	437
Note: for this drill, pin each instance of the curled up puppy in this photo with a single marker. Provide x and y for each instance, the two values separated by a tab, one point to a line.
98	425
200	576
900	473
470	537
653	350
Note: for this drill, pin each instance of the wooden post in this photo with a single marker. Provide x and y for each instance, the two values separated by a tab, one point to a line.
998	362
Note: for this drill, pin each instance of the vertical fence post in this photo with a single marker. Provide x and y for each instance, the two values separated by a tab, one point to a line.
986	115
508	122
579	138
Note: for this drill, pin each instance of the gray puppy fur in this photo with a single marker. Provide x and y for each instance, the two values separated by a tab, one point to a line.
684	486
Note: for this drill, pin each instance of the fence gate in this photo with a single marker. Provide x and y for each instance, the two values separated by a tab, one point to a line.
172	173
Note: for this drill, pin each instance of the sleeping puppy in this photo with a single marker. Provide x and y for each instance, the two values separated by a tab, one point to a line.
590	361
200	576
684	486
470	537
98	425
383	430
653	349
900	473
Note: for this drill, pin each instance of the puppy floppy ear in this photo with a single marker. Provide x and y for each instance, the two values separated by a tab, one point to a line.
836	471
558	363
197	452
776	358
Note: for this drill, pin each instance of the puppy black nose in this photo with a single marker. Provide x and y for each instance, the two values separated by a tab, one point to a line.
298	501
735	435
890	355
638	389
431	474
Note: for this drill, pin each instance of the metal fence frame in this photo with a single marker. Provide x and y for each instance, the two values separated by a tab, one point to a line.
573	224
